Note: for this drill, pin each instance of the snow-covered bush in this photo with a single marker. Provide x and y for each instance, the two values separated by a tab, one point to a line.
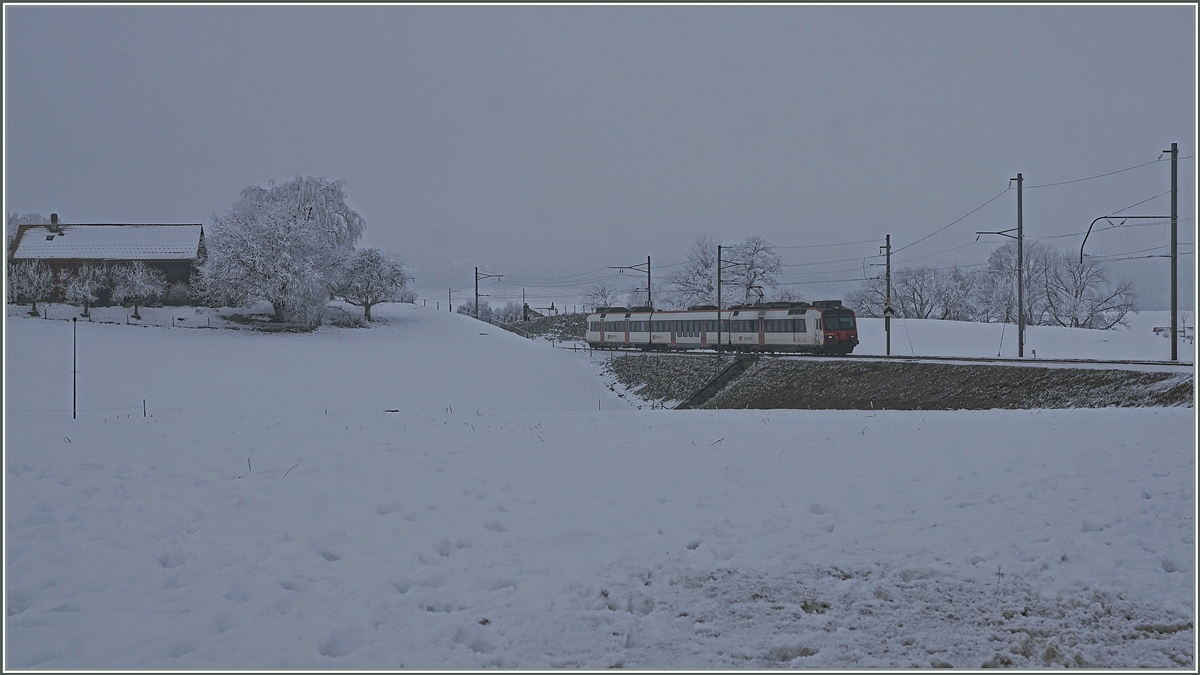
177	293
31	282
287	245
137	283
343	319
372	277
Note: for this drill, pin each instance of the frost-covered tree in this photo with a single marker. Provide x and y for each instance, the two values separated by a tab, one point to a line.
31	281
601	295
15	220
84	284
954	293
754	268
286	244
511	312
372	277
695	283
1039	259
138	283
484	310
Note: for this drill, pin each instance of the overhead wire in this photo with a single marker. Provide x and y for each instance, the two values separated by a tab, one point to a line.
1102	175
955	222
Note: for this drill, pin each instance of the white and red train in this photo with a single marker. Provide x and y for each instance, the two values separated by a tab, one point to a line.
823	327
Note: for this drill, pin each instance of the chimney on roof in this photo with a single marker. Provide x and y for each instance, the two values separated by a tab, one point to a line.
54	222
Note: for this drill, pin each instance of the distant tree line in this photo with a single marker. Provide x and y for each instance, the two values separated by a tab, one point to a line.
1059	289
511	312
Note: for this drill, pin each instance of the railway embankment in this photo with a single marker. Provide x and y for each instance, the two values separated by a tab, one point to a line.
837	384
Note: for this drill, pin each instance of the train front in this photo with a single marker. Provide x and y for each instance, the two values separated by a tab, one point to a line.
839	328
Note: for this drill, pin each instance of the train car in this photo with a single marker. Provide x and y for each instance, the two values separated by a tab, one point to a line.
823	327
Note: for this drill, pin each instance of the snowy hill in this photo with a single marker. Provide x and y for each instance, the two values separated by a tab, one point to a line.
267	512
924	337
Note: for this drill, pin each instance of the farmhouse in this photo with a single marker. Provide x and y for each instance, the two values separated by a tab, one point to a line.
174	249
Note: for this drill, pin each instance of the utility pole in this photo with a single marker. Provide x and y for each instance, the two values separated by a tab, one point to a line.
650	301
524	307
1020	228
1175	251
74	368
637	268
887	308
449	302
1020	275
719	343
479	276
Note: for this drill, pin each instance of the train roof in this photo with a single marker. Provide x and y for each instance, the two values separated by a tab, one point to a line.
758	306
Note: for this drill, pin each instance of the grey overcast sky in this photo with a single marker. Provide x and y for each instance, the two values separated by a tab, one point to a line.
541	142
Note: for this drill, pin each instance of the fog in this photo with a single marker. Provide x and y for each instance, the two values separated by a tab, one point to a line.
547	142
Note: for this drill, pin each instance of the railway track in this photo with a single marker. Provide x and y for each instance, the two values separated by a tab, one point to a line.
917	359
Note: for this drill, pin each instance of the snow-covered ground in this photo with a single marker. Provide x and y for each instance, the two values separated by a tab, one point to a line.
922	337
270	512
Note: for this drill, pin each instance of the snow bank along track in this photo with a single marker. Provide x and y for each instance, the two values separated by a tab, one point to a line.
896	384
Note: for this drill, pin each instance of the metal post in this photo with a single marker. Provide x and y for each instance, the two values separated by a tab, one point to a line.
1175	251
1020	275
524	307
887	317
649	300
74	369
449	302
720	345
476	292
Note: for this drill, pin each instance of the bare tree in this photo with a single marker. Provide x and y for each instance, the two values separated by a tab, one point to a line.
788	294
601	295
137	283
869	299
84	284
1039	259
31	281
915	289
372	277
695	283
1079	295
755	267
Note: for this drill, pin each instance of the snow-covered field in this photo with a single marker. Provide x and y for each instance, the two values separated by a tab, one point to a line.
270	512
916	337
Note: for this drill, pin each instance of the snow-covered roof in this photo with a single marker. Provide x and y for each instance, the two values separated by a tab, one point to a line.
109	242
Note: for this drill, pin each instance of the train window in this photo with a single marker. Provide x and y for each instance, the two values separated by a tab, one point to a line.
818	323
800	327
